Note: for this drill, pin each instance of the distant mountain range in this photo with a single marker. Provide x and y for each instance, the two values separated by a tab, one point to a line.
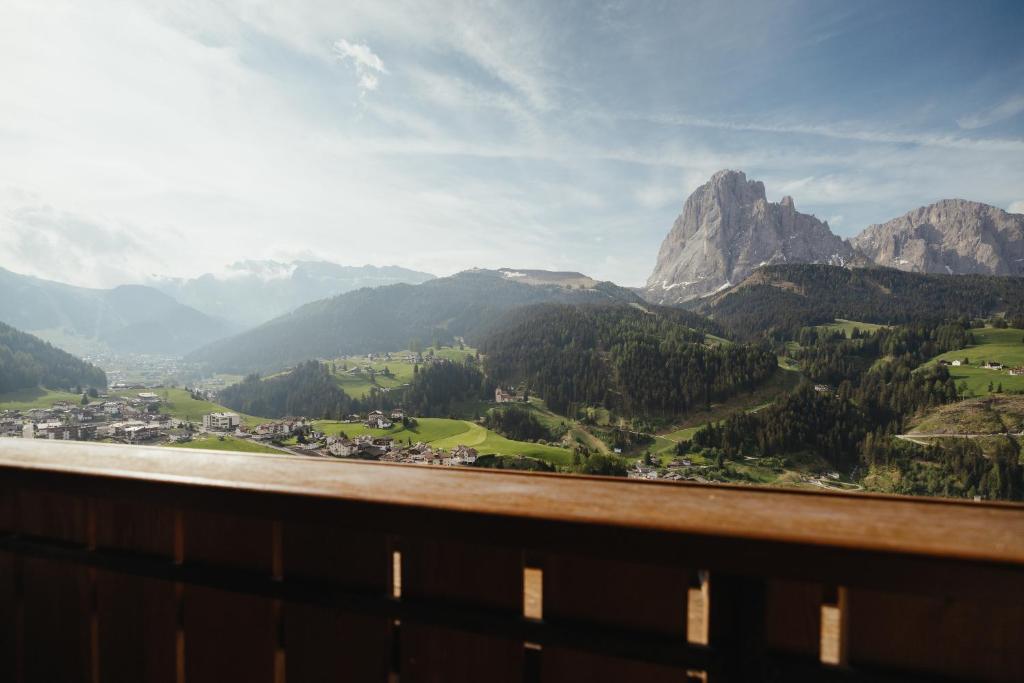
388	318
951	236
728	229
126	319
253	292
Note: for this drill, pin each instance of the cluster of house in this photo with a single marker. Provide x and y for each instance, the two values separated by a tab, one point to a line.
679	469
134	419
386	449
509	395
985	365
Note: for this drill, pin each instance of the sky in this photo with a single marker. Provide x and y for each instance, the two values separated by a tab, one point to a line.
142	139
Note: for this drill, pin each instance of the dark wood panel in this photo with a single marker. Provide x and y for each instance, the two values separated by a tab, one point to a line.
646	598
137	628
793	617
463	574
736	626
228	637
56	618
9	618
136	526
228	540
52	514
323	644
972	640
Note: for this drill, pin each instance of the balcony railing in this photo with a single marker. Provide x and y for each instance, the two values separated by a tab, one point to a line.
151	564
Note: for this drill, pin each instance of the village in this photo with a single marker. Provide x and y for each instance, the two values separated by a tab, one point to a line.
137	420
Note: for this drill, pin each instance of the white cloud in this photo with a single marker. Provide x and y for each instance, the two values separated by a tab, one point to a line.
1002	111
1016	207
368	65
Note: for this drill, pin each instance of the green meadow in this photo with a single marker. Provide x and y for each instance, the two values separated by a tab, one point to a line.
226	443
993	345
29	399
353	377
847	326
447	434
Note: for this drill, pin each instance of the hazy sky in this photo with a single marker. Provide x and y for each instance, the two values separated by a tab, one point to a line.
174	138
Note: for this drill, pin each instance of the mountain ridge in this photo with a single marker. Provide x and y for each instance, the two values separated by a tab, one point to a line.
252	292
126	318
388	318
726	229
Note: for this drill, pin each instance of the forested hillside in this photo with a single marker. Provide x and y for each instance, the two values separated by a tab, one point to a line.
780	300
849	425
627	359
390	318
308	390
27	361
437	390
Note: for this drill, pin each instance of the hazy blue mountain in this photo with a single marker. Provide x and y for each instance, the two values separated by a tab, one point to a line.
253	292
388	318
130	318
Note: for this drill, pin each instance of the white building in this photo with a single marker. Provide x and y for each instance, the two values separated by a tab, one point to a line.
221	422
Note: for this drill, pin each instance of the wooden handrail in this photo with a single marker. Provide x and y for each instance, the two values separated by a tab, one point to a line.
622	563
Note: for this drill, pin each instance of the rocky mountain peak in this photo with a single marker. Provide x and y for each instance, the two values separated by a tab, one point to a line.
949	236
726	230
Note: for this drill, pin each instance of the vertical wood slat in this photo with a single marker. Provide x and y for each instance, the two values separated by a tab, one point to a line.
56	601
322	643
228	636
137	617
736	626
793	617
650	599
10	626
10	600
463	574
979	641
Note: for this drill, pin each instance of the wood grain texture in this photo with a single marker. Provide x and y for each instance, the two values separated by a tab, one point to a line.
956	638
462	574
645	598
323	644
977	531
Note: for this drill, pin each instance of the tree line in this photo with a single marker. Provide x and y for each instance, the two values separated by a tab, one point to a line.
26	361
624	358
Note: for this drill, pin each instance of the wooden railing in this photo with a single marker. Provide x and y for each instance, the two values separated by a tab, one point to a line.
126	563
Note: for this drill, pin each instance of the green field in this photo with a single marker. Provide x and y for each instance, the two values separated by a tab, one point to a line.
226	443
179	403
447	434
985	415
847	326
358	384
427	429
991	344
29	399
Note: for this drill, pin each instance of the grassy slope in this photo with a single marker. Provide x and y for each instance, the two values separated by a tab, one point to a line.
358	385
445	433
1005	346
846	326
987	415
782	380
179	404
227	443
28	399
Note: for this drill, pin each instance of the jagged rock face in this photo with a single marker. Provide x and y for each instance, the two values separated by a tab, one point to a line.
727	229
951	236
